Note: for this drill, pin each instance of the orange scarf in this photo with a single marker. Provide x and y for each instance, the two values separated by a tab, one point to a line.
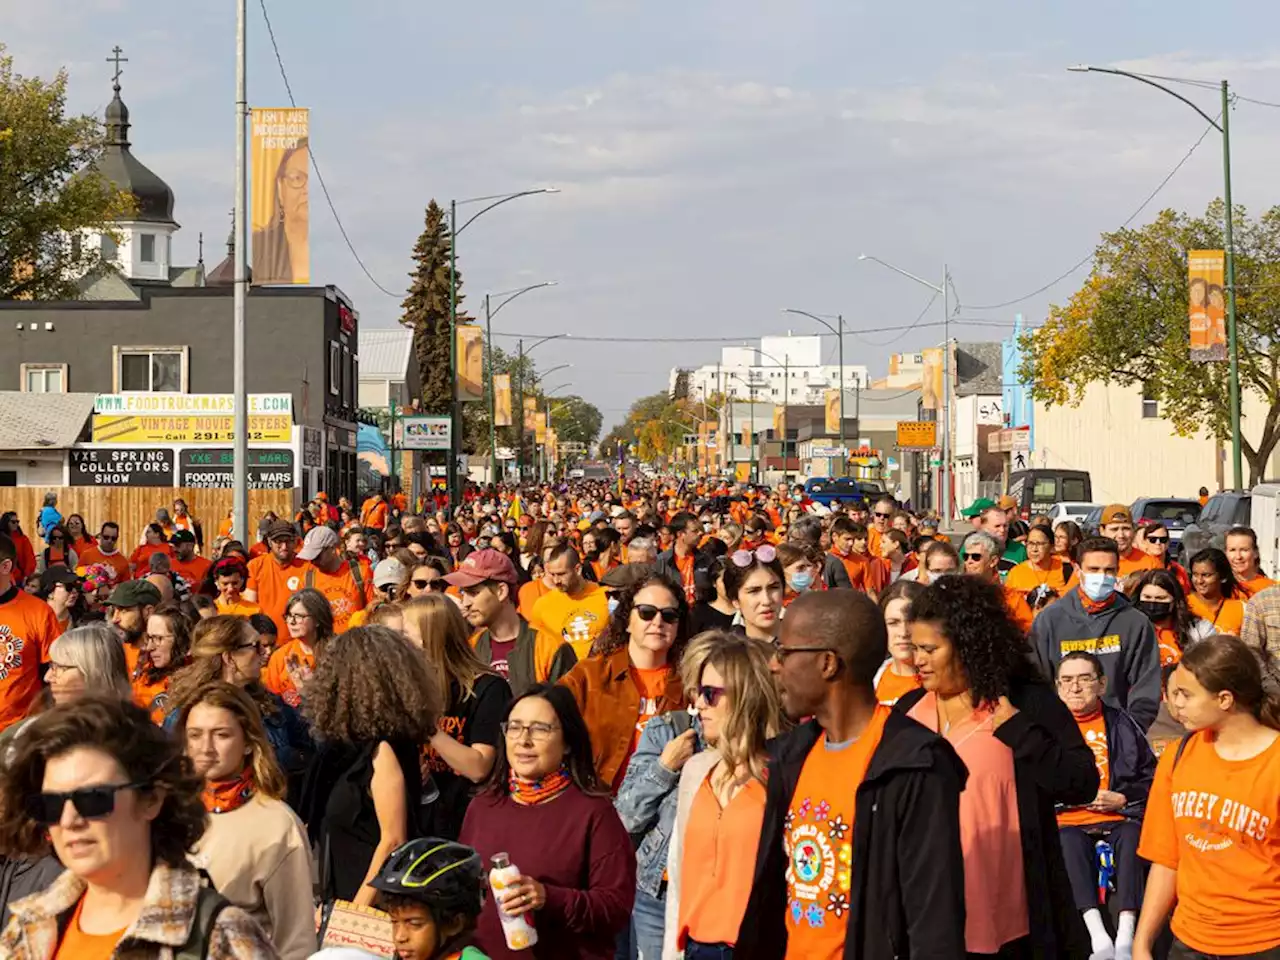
530	793
223	796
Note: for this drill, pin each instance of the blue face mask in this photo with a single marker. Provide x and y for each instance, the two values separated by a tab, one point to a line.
612	604
1098	586
801	580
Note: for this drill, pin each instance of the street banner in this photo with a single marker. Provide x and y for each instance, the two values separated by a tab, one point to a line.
746	434
779	422
553	445
530	408
470	362
539	427
502	400
832	399
931	379
280	154
1207	304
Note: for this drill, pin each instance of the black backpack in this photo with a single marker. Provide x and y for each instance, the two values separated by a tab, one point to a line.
209	904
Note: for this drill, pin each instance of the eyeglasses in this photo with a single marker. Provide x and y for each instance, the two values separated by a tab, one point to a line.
250	645
296	617
1067	683
709	694
647	611
1157	539
782	652
91	803
538	732
974	557
151	639
765	553
424	584
882	516
55	667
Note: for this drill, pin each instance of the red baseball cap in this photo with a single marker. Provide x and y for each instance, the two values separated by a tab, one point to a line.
483	565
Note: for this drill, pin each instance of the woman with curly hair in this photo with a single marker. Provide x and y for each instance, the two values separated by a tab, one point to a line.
1024	754
633	673
120	804
1158	594
373	706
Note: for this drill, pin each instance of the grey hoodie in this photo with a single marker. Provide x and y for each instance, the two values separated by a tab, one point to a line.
1118	635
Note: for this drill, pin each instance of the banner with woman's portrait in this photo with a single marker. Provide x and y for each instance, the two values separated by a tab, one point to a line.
279	216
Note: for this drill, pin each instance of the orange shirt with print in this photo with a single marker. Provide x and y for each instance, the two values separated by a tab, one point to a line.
288	670
340	589
1170	648
652	685
1217	823
1093	729
1255	584
819	844
1025	577
78	945
892	687
193	570
116	561
27	628
1227	616
274	584
152	696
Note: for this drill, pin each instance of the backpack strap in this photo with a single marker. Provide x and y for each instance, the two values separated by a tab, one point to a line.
357	573
1182	745
209	903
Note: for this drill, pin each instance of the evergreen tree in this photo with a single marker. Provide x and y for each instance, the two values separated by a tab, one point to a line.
426	310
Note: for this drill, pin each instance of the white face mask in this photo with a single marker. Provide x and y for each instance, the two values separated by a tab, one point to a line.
612	603
1098	586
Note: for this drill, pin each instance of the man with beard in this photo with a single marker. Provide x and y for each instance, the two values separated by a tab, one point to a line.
131	604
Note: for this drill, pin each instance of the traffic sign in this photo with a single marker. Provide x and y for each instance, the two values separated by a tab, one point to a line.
828	452
917	434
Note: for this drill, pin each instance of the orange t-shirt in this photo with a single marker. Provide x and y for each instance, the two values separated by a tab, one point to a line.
601	567
140	559
893	687
529	594
340	589
274	585
819	844
152	697
1019	610
1249	587
78	945
1170	648
116	561
288	670
241	608
259	549
652	685
1025	578
27	628
1094	730
1226	617
718	863
685	566
374	515
863	574
193	570
1217	823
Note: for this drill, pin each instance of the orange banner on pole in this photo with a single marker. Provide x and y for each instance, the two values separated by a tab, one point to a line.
931	379
539	427
502	400
530	408
1207	304
832	398
278	202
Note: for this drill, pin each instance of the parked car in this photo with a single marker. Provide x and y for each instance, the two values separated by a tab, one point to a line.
1071	510
1224	510
1175	513
829	490
1038	490
1091	522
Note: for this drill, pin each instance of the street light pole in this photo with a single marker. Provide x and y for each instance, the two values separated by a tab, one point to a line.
240	417
520	383
1233	346
839	332
786	382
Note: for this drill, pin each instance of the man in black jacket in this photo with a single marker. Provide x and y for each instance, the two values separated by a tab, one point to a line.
684	563
860	846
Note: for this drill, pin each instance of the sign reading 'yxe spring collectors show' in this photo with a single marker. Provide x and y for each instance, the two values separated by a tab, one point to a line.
121	467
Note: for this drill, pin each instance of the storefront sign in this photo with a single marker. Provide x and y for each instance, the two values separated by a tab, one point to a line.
917	434
190	403
312	447
263	428
426	433
121	467
213	469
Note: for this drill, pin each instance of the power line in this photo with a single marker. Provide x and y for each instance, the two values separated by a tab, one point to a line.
906	330
1261	103
1062	276
738	339
316	166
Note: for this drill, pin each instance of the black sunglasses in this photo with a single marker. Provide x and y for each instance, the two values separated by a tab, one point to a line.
91	803
648	611
975	557
1157	539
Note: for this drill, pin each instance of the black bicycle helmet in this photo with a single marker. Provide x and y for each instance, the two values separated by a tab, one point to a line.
447	876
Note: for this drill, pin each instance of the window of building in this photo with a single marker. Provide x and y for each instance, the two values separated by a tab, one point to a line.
77	246
335	368
396	392
147	247
8	478
44	377
108	248
346	377
1150	406
151	369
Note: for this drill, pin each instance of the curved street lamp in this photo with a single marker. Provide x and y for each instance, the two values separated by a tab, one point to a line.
489	314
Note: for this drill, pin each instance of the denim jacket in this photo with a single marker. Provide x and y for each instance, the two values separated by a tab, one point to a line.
646	802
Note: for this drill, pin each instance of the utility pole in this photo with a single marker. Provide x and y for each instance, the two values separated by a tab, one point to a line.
944	495
493	400
518	413
451	469
1233	345
240	418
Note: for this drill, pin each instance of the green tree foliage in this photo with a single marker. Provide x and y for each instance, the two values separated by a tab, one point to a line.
1128	324
48	188
656	425
426	311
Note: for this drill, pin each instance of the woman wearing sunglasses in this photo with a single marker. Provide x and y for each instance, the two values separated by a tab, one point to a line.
753	581
461	752
121	806
632	673
255	849
60	551
721	799
427	577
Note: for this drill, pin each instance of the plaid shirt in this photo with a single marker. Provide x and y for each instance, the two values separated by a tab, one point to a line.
1261	631
168	912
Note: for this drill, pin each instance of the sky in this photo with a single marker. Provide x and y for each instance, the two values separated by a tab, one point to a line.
717	160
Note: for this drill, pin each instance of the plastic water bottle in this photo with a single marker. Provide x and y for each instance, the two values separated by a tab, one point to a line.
519	930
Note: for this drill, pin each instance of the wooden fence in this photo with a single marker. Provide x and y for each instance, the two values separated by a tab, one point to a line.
134	507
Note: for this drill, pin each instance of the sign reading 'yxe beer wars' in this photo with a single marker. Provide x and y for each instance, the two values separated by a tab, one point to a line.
121	467
213	469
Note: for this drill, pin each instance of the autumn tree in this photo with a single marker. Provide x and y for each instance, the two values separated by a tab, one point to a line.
1128	324
48	189
656	425
426	311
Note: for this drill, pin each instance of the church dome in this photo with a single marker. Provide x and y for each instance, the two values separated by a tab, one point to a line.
152	196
